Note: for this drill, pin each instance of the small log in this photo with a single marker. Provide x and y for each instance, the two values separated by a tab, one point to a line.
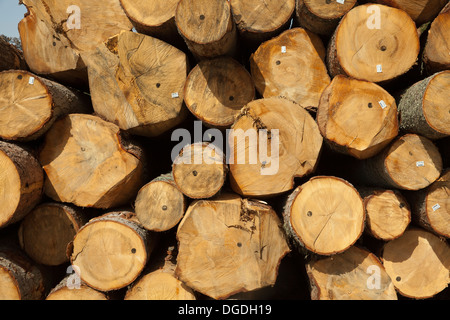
90	163
54	34
21	182
154	18
321	17
207	27
418	263
290	65
388	213
421	11
47	230
263	161
137	82
425	108
434	56
325	227
371	47
355	274
29	104
258	21
356	117
229	245
68	289
410	162
160	205
11	57
111	251
200	170
431	206
217	89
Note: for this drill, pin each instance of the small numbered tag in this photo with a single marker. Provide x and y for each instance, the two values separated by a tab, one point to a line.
436	206
379	68
382	104
175	95
31	80
283	49
340	1
420	164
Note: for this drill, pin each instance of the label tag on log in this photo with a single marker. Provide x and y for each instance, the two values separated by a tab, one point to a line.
340	1
379	68
175	95
31	80
382	104
436	206
283	49
420	164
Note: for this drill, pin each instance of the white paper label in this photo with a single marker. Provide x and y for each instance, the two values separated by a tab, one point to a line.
31	80
283	49
340	1
175	95
436	206
420	164
379	68
382	104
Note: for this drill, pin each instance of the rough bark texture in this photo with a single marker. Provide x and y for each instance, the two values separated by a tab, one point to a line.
11	57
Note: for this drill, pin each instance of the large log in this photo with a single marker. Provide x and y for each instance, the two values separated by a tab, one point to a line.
356	117
321	17
424	107
29	104
90	163
421	11
54	33
21	182
418	263
435	57
217	89
369	45
410	162
263	161
207	27
11	57
260	20
355	274
137	82
111	251
324	215
290	65
47	230
229	245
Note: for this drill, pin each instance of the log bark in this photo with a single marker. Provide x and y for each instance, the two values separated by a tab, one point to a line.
258	21
424	107
154	18
431	206
434	56
321	17
418	263
347	276
272	141
421	11
160	205
47	230
228	245
207	27
137	82
200	170
20	277
388	213
53	41
70	290
90	163
217	89
111	251
410	162
21	182
29	104
290	65
324	215
356	117
11	57
368	46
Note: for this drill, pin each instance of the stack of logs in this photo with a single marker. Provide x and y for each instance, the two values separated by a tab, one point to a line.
99	199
